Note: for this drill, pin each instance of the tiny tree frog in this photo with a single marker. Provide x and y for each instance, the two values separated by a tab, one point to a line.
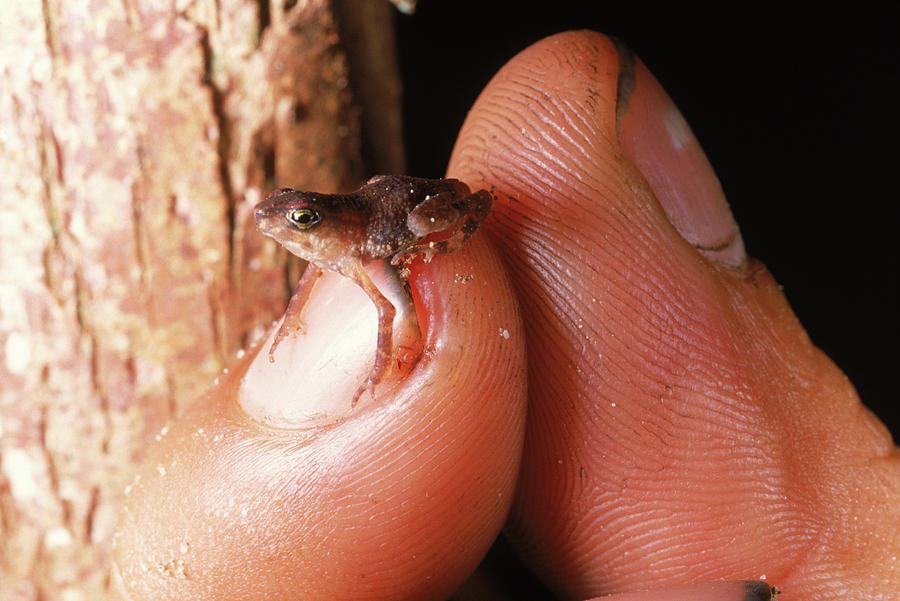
388	218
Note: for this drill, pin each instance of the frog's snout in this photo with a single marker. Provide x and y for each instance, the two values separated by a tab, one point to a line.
263	210
260	212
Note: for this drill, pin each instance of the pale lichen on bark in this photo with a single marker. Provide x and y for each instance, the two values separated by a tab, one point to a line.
135	138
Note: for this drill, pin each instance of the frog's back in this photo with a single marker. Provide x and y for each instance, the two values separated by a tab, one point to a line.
391	198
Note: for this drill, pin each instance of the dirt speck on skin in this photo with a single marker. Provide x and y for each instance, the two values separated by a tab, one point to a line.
173	568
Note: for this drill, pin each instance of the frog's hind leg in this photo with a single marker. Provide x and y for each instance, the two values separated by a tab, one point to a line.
292	322
438	214
386	312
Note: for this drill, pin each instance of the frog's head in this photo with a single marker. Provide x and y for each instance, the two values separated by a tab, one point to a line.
320	228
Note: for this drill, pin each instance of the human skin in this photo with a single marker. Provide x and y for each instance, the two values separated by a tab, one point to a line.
681	427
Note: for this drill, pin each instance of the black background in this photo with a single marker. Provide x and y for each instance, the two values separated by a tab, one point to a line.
796	109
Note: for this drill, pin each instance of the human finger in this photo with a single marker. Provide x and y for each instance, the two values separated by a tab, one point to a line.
272	487
681	425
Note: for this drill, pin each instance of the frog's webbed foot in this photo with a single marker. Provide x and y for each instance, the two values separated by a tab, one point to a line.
292	324
286	329
441	212
405	256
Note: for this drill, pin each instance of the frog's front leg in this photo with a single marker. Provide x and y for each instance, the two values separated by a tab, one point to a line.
442	212
386	311
292	322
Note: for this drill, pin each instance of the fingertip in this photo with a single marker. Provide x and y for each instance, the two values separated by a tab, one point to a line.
399	498
681	423
505	140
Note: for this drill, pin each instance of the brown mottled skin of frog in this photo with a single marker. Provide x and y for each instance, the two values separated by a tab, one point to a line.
387	218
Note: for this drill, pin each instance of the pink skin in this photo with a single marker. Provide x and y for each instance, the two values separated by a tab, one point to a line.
681	426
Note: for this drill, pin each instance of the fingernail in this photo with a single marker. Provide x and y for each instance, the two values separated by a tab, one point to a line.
759	591
316	373
659	142
735	590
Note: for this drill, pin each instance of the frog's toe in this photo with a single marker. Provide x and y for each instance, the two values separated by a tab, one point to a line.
404	256
369	384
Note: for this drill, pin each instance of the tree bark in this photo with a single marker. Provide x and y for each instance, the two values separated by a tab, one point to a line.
134	141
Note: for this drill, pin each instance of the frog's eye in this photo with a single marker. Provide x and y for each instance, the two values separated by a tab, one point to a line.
304	218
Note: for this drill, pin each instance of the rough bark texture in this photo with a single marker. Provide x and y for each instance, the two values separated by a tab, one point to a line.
367	30
135	137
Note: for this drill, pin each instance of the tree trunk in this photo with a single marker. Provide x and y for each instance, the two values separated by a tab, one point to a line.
134	142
